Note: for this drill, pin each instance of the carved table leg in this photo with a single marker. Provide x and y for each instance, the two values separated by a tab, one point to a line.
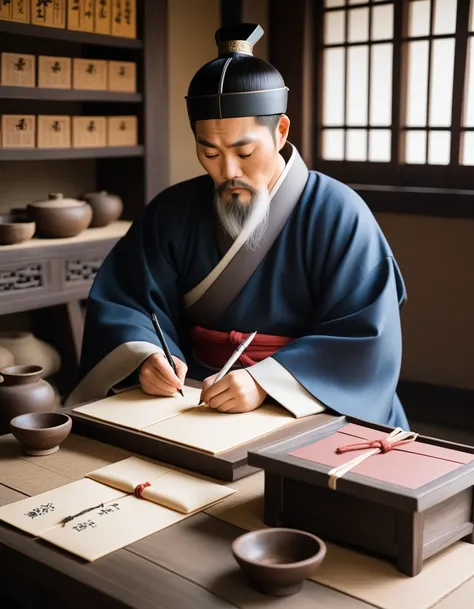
410	542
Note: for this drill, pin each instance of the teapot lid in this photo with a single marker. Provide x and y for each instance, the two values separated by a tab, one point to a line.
56	200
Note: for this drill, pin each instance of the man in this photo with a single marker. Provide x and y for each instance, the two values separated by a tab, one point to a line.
257	243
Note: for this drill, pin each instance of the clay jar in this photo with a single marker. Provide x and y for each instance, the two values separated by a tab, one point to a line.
106	208
59	217
6	357
22	390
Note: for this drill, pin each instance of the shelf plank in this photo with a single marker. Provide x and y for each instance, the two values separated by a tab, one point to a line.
46	154
39	93
39	31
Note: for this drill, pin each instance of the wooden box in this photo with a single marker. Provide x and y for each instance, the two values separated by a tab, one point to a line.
50	13
122	76
89	132
21	11
80	15
17	70
124	18
405	505
18	131
54	72
53	131
89	74
103	17
122	131
6	11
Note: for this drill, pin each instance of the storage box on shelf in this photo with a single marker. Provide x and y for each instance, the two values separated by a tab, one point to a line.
54	72
108	17
44	71
51	13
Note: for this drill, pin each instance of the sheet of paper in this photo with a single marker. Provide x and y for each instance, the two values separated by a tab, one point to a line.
127	474
214	432
135	409
111	528
185	493
41	512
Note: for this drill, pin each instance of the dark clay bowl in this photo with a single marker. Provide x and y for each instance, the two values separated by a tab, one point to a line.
15	229
41	433
60	218
278	560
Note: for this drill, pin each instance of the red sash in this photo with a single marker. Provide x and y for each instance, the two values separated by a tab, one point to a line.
213	348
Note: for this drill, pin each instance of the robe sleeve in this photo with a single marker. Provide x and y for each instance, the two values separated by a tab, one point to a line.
138	276
349	360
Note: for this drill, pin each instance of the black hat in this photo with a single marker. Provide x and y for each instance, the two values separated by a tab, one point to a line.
237	83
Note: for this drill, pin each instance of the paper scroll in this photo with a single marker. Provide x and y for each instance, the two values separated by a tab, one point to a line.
101	513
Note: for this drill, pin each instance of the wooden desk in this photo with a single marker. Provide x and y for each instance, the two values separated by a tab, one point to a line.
186	565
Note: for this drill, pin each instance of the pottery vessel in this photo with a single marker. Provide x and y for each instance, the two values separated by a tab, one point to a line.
278	560
41	433
15	229
6	357
22	390
59	217
29	350
106	207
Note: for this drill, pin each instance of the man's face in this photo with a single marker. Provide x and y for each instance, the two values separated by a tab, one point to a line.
240	155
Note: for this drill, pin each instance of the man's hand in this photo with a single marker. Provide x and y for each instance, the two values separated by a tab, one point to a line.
235	392
158	378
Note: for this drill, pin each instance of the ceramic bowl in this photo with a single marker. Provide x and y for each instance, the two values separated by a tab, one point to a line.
277	560
15	229
41	433
60	218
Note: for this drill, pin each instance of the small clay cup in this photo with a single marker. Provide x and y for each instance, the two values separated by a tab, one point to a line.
41	433
277	560
15	229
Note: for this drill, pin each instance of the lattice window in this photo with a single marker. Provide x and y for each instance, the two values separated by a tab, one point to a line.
357	81
396	91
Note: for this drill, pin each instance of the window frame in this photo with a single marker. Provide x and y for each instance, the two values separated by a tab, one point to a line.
396	173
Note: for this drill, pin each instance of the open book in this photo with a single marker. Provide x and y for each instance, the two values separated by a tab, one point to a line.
179	419
113	507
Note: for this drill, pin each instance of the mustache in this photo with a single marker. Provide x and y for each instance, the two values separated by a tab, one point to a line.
234	184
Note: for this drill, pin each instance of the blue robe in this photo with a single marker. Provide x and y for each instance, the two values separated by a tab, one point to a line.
330	280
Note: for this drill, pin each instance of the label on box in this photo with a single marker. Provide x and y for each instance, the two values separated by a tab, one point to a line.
54	131
17	70
54	72
18	131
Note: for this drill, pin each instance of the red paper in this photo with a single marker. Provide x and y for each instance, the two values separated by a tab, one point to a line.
410	465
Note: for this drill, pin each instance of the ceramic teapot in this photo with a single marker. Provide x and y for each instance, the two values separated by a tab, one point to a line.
22	390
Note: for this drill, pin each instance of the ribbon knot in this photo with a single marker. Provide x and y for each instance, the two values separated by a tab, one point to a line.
140	488
235	338
382	445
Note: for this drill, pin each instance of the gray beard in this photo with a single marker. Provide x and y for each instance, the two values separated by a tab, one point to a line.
235	215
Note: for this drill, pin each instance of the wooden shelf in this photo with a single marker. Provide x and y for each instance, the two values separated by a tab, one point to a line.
45	154
39	93
39	31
